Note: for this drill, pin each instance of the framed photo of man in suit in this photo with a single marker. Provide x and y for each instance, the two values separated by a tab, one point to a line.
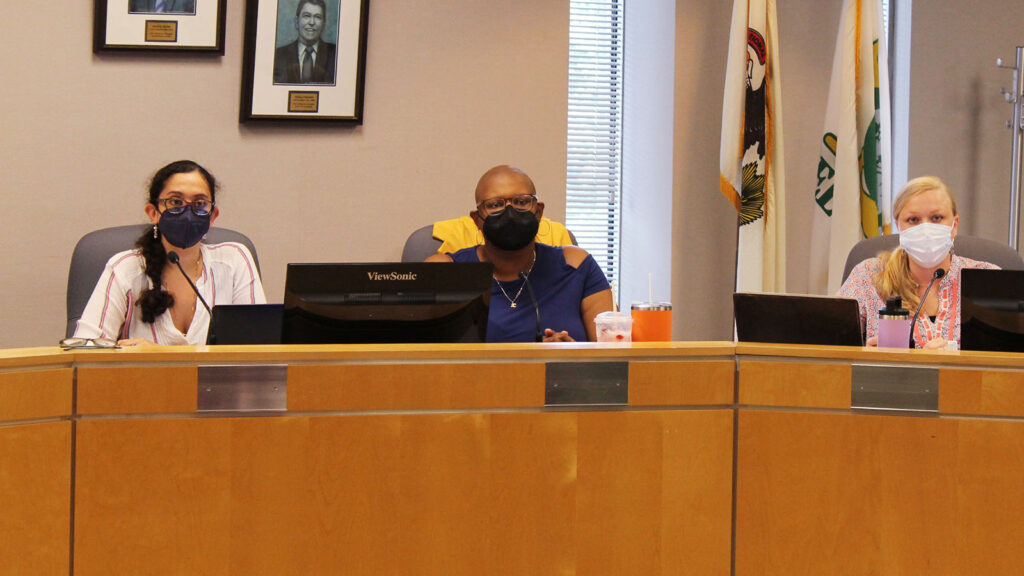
304	60
161	6
307	42
161	25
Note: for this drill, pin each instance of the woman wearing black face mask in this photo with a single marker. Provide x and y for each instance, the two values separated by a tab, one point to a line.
566	284
142	298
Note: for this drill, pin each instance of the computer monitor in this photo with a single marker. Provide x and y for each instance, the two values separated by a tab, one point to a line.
386	303
992	310
797	319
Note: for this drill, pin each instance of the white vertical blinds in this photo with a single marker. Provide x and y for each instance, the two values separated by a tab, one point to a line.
885	25
594	165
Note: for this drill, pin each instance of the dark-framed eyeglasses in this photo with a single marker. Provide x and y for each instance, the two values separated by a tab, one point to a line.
200	207
85	343
524	202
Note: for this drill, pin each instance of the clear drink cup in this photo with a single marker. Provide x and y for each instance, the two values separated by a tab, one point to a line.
614	327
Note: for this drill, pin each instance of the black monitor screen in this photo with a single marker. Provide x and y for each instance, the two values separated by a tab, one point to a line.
992	310
386	303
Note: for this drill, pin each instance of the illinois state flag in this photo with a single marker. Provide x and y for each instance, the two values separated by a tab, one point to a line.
853	198
750	161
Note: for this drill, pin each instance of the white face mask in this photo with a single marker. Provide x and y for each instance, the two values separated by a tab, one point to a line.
927	243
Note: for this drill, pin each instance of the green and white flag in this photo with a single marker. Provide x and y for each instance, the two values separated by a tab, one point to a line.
853	199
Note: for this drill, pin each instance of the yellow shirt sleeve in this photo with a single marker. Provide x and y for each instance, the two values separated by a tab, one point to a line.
459	233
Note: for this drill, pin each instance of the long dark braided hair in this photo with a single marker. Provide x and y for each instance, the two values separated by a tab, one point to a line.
155	301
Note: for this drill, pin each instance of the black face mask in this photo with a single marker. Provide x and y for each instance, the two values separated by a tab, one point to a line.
511	229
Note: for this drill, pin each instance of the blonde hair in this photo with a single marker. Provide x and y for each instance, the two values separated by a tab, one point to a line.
895	278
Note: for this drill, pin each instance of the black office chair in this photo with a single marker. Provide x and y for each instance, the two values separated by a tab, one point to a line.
971	247
95	248
420	245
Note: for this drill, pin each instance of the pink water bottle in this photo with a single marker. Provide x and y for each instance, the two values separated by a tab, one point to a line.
894	324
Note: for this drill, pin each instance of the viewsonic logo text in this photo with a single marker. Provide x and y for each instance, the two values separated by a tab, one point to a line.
382	276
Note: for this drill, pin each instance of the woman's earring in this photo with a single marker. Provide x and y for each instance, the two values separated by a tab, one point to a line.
155	235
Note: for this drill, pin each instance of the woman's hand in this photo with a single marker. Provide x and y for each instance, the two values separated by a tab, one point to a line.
135	342
552	336
873	341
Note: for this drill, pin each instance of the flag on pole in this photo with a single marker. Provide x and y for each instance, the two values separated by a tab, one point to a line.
853	199
750	160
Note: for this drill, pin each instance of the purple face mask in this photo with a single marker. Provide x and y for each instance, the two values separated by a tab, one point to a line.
184	230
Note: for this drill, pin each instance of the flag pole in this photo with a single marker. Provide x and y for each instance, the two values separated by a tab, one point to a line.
1017	126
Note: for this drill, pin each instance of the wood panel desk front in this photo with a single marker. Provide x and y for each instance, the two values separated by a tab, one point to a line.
35	461
826	488
391	460
435	459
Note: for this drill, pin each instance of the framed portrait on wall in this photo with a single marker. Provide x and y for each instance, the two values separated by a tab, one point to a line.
304	60
160	25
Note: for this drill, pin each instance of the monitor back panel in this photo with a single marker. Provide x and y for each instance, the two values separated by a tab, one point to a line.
245	324
992	310
386	303
797	319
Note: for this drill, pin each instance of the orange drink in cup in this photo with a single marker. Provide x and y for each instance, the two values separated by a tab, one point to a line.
652	321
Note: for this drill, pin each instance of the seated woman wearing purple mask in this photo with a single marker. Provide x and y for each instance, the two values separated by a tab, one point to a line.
143	298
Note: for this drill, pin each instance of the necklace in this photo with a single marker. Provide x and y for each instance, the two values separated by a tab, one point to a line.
199	265
511	300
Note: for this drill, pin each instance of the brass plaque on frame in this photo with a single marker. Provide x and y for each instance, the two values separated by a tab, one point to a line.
161	31
302	101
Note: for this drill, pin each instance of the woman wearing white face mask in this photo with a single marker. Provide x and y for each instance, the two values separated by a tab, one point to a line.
926	216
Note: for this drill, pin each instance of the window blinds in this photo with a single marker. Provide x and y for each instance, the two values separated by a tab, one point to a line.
594	166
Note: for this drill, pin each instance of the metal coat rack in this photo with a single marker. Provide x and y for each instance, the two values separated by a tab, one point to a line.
1016	126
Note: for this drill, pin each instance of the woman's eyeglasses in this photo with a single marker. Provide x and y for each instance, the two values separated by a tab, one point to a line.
84	343
522	202
201	207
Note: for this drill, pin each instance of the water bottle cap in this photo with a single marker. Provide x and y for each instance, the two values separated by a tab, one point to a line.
893	309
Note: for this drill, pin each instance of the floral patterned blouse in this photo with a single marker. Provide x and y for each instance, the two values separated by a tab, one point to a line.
861	285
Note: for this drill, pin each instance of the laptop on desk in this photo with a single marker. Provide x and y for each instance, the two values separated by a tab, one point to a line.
245	324
797	319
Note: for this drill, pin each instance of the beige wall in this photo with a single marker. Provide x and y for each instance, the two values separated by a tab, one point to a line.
452	88
957	114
